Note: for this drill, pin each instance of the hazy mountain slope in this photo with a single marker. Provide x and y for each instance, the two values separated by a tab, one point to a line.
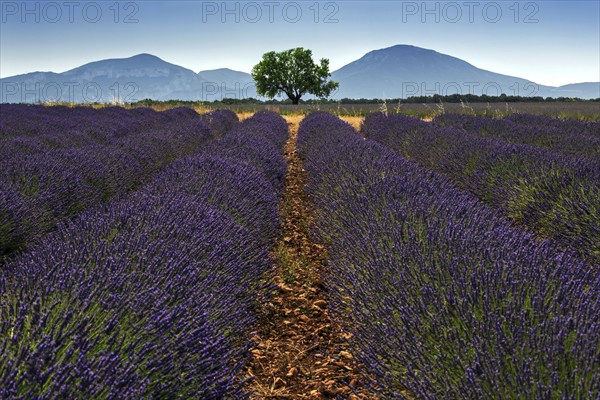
395	72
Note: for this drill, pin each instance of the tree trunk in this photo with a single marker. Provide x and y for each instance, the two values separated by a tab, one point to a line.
295	99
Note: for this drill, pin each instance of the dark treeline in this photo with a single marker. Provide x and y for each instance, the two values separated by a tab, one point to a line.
454	98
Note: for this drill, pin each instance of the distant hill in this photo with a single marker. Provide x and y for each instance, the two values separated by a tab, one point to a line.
402	71
232	84
395	72
585	90
125	79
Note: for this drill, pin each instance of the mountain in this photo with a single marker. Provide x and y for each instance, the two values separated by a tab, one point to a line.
402	71
226	75
123	79
138	77
231	84
585	90
395	72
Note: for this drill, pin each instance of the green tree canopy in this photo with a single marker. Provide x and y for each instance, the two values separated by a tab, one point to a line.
294	73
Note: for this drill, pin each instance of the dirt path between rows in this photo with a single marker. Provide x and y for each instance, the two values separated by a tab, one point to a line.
300	353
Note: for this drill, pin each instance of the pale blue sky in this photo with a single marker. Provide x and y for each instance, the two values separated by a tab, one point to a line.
548	42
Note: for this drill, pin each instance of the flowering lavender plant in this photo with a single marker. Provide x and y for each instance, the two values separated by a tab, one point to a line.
555	195
150	295
56	162
444	297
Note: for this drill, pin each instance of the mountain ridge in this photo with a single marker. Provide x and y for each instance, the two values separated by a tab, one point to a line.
398	71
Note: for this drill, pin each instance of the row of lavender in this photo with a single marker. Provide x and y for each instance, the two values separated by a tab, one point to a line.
152	296
569	137
29	129
57	162
444	298
554	195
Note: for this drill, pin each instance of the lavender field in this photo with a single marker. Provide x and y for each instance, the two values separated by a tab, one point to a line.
463	266
146	290
137	251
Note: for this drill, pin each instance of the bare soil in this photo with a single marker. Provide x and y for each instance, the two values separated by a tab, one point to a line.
300	353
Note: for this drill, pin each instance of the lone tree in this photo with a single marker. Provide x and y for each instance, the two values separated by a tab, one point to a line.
294	73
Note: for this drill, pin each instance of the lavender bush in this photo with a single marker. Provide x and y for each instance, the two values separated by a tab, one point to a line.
568	137
150	296
554	195
58	162
444	297
260	141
